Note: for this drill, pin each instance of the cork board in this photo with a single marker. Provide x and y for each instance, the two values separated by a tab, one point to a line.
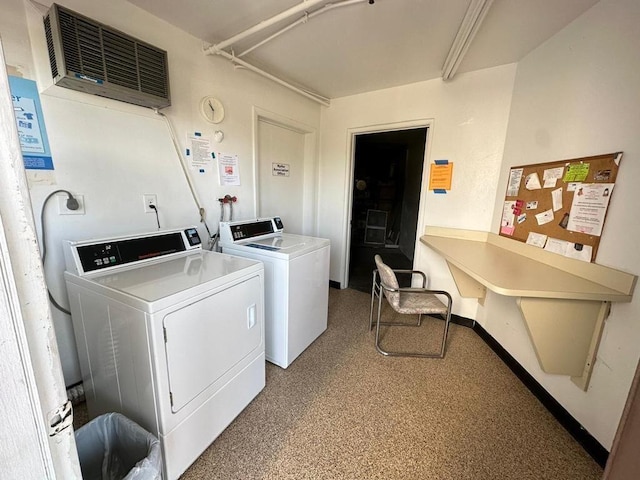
561	206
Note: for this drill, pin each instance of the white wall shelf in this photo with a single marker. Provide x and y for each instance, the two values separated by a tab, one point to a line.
563	301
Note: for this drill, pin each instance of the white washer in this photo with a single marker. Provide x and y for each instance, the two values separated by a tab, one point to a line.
296	282
168	334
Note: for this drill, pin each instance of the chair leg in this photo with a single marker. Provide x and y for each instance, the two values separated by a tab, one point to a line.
375	291
447	320
371	310
411	354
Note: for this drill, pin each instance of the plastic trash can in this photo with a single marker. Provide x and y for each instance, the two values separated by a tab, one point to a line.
113	447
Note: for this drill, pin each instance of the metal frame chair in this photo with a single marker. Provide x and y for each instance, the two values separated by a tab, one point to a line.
412	300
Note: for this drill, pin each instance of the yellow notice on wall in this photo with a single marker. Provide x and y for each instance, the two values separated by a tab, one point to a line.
440	176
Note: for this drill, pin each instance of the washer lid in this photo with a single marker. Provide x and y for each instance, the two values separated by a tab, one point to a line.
180	275
284	246
279	242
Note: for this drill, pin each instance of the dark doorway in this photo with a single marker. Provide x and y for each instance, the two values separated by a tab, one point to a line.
386	198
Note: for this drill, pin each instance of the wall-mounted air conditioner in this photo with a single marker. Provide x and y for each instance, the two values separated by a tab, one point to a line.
88	56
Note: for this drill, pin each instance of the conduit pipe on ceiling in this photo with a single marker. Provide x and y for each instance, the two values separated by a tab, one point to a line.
311	95
305	5
304	19
218	49
474	17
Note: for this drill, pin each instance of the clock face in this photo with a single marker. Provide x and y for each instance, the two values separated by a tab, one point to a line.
211	109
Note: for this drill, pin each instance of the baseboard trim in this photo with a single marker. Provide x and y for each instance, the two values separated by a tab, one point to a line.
464	321
570	424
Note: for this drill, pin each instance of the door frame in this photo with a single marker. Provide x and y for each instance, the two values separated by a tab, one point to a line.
39	431
311	165
427	123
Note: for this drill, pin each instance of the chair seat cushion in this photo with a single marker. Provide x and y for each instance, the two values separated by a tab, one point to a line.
415	303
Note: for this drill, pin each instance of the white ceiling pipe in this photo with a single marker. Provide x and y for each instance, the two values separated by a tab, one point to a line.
476	13
305	5
311	95
304	19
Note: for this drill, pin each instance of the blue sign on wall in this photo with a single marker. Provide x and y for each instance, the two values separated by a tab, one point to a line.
31	129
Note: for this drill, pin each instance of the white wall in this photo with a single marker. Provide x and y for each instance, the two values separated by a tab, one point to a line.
112	152
468	119
575	96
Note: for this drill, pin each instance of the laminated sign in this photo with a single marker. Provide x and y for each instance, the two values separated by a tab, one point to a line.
30	122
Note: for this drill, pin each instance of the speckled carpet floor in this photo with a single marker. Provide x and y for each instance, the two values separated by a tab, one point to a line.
343	411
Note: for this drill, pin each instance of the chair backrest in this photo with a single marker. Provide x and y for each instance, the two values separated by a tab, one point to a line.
389	280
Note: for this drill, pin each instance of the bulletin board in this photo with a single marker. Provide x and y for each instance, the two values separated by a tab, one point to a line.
561	206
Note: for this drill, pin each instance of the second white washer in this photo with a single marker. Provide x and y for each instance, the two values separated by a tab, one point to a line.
296	282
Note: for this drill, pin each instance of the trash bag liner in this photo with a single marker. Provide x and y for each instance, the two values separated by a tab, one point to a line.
113	447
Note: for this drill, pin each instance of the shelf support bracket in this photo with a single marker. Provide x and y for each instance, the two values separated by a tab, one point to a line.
467	286
565	334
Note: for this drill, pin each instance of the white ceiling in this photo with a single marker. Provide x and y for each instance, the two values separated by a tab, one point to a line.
363	47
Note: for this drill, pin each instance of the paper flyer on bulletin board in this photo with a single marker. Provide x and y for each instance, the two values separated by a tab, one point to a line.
589	207
32	133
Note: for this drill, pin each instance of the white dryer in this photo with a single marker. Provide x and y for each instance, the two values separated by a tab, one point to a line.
296	282
168	334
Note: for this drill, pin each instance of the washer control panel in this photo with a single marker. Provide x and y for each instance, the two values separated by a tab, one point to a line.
239	231
90	256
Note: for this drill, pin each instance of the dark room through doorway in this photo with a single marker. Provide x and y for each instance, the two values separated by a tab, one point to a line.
385	201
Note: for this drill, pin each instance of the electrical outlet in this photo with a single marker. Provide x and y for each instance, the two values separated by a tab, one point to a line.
149	199
62	205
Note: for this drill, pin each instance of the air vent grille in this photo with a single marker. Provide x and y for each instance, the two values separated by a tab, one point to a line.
52	56
120	60
152	64
118	65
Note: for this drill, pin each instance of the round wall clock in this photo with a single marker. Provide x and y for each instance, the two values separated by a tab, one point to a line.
212	109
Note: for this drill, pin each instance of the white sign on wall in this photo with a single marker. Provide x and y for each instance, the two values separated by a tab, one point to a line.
199	152
280	169
228	169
